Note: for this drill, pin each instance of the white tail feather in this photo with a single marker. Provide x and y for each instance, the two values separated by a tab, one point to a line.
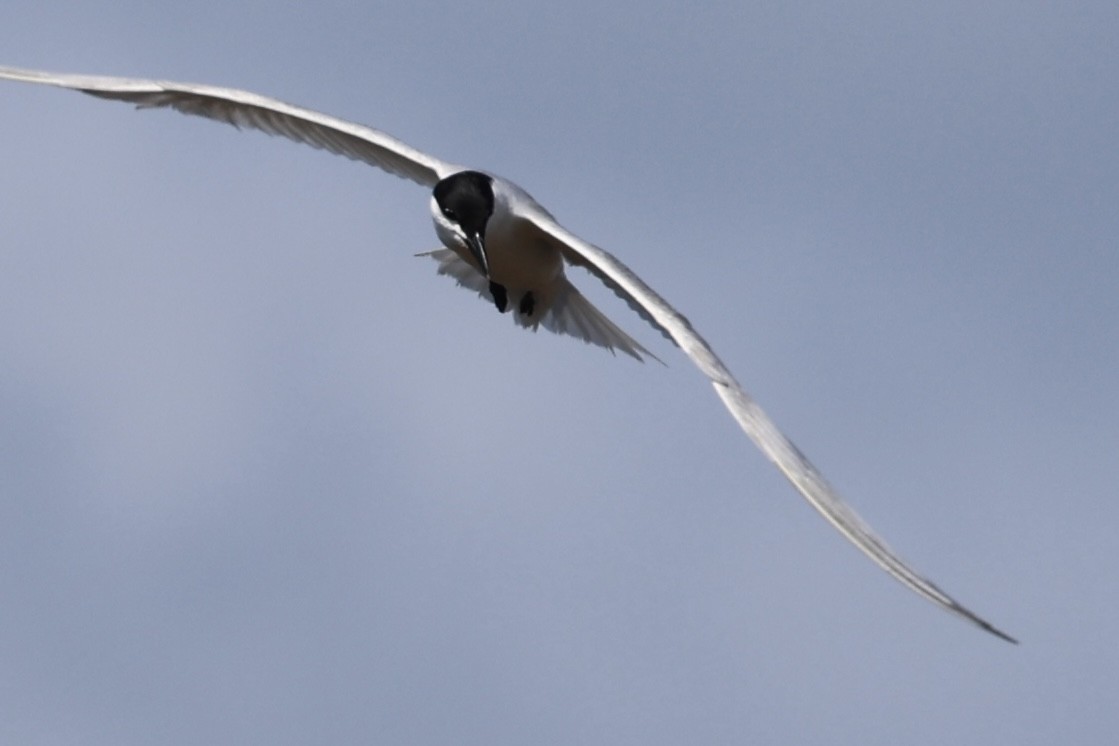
561	308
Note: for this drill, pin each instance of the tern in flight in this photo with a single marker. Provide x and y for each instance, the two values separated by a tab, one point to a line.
504	245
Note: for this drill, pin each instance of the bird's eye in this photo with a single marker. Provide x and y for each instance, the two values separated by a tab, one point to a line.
449	213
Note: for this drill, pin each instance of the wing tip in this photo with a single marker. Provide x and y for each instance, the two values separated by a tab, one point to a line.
982	623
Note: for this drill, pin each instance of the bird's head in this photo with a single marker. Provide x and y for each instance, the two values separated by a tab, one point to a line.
462	204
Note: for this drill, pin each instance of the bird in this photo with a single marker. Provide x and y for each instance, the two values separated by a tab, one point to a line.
504	245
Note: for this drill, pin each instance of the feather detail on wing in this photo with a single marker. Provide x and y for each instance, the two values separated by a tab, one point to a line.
243	109
575	259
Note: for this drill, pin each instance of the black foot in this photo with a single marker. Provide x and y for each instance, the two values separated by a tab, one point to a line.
500	297
528	304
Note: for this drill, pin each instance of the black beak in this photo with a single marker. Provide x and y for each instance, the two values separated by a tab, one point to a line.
478	248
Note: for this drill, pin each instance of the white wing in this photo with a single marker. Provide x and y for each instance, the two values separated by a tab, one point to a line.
244	109
755	422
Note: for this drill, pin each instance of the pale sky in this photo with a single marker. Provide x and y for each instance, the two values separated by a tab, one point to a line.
266	478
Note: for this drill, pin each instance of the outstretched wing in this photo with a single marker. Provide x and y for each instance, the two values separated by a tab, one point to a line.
753	420
252	111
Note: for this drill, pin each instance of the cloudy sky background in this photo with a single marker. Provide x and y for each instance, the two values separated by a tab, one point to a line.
265	478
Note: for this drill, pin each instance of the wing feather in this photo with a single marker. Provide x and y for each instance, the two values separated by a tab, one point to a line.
754	421
246	110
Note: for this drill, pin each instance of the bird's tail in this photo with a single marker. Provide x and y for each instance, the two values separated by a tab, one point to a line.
560	308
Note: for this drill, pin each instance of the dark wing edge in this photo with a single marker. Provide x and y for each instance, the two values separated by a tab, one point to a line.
244	109
756	423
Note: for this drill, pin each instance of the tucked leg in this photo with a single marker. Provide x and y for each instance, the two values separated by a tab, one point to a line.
528	304
500	297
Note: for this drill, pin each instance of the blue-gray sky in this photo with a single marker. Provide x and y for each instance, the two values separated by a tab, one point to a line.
267	479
